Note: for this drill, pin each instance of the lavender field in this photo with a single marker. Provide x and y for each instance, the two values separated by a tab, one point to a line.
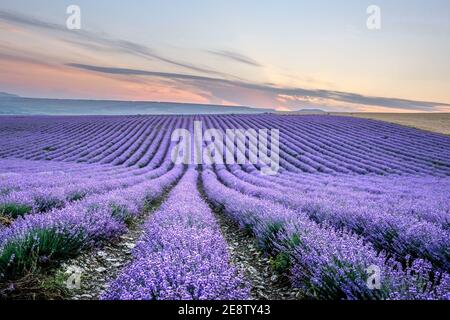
352	198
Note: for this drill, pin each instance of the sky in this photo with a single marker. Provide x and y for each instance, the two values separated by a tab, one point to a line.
285	54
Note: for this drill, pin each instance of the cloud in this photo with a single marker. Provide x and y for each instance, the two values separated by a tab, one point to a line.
235	57
215	85
296	94
95	41
135	72
30	21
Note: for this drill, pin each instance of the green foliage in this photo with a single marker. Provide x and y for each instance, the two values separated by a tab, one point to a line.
37	249
14	210
281	262
56	285
294	241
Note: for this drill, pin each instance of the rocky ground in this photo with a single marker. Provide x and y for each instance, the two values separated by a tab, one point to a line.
95	269
98	267
245	255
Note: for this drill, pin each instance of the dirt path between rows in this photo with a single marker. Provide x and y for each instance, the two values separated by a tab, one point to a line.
246	257
95	269
265	283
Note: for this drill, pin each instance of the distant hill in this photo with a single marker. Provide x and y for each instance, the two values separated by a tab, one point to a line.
8	95
305	111
310	111
15	105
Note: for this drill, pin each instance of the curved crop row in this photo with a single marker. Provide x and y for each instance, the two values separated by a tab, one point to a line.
182	255
37	240
326	263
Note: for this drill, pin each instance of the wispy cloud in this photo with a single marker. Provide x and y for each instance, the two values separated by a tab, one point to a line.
94	41
235	56
186	80
297	94
135	72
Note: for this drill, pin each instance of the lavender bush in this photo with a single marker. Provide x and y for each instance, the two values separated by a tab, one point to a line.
350	193
182	255
325	263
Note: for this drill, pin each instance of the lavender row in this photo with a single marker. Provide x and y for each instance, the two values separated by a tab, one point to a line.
303	149
182	255
325	263
430	203
40	240
400	235
338	149
308	144
104	146
44	199
425	198
59	137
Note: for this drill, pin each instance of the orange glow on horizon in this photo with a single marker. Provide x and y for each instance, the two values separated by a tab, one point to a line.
70	82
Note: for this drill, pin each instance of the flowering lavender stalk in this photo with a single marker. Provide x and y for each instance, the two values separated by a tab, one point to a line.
340	178
395	233
181	256
325	263
36	240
